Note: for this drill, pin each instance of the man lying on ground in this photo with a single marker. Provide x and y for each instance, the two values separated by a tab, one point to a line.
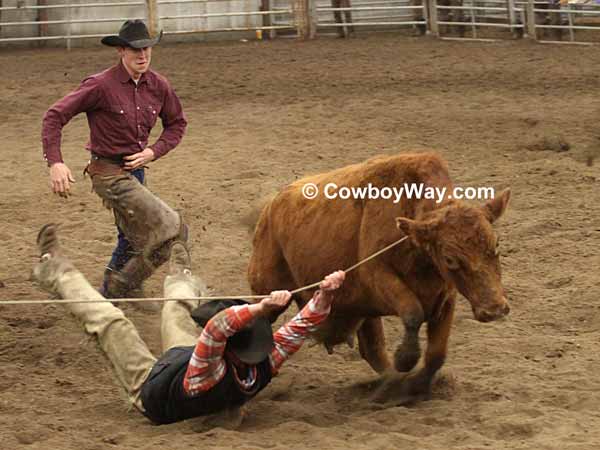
221	368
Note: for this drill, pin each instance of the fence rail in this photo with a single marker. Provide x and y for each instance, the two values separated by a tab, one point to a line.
551	21
73	5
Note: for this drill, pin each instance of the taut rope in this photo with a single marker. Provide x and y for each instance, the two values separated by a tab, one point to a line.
221	297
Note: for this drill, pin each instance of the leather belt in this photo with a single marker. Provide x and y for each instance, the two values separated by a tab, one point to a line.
102	165
116	159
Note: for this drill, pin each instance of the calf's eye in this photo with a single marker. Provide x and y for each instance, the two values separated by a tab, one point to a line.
452	263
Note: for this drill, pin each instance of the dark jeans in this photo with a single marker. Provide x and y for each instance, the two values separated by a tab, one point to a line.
123	251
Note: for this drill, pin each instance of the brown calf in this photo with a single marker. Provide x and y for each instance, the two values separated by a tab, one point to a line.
452	248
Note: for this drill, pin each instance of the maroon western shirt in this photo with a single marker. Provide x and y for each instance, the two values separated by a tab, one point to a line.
120	114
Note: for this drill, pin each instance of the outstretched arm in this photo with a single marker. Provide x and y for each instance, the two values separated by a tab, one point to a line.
290	337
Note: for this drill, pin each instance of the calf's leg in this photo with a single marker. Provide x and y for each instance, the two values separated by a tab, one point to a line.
371	344
417	386
438	332
393	297
408	352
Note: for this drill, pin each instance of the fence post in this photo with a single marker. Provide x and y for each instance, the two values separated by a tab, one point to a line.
265	5
473	23
510	4
531	20
152	15
302	17
69	26
313	18
425	16
571	33
42	16
433	18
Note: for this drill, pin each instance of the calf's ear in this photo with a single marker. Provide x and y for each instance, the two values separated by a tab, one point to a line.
420	232
494	208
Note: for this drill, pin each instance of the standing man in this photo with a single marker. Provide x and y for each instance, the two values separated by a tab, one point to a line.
122	105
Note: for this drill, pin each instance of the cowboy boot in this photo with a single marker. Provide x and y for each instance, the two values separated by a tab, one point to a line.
180	262
161	255
180	268
108	273
131	276
140	267
114	286
181	283
52	264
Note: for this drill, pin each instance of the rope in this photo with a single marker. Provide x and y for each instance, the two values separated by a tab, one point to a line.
221	297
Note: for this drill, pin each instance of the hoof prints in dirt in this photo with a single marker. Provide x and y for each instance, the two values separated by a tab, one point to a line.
25	322
396	389
550	143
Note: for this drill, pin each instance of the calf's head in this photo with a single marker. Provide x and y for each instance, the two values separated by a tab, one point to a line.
463	246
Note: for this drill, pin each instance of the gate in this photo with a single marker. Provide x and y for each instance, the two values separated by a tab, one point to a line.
343	17
576	20
481	20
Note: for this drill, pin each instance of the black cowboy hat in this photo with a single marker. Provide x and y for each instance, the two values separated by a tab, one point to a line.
132	34
251	344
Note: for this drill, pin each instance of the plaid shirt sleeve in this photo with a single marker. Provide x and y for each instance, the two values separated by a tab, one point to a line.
290	337
207	366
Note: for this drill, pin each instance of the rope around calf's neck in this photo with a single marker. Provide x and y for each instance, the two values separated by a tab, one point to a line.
220	297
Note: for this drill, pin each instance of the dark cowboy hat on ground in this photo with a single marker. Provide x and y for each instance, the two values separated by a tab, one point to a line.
251	344
132	34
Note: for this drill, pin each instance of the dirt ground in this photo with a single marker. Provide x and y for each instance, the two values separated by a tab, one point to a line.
262	114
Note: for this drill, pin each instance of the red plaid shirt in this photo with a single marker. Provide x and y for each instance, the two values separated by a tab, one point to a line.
207	366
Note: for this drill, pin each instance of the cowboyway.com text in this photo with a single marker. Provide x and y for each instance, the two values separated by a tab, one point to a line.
410	191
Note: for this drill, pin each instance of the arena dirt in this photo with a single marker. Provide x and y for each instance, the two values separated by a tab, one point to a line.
262	114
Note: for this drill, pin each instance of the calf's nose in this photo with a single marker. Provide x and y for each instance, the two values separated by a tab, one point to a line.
494	313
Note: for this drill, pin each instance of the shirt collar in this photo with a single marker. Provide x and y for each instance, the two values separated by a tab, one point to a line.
123	76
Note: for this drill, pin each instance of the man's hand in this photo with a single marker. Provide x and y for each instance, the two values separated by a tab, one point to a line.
139	159
333	281
274	302
328	285
61	179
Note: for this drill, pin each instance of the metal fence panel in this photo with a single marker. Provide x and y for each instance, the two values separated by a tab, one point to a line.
68	20
40	20
345	16
478	19
201	16
564	21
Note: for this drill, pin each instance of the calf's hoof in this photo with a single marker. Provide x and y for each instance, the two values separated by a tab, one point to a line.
402	389
405	361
